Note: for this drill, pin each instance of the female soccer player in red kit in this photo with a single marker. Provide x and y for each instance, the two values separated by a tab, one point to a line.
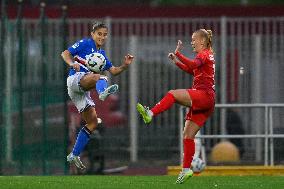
200	98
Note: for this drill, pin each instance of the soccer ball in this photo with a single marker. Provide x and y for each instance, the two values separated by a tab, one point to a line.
96	62
197	165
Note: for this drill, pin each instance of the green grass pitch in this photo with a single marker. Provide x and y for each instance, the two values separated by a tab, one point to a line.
140	182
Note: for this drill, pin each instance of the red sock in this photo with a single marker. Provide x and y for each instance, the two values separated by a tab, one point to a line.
188	152
164	104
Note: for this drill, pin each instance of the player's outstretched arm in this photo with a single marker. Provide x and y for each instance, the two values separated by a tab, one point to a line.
179	46
128	59
182	66
68	58
192	64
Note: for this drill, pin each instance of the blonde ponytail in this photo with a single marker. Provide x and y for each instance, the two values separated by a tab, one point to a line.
210	35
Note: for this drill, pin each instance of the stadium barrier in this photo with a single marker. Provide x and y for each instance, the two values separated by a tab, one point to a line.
268	135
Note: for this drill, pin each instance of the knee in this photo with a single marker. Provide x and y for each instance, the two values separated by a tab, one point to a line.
172	92
92	125
89	81
187	135
95	77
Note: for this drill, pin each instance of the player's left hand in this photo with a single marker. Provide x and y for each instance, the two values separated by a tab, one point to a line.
128	59
172	57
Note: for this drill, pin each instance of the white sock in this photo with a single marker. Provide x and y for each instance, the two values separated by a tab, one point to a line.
185	169
150	113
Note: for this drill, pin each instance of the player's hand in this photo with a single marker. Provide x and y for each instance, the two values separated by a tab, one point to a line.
172	57
179	46
128	59
76	66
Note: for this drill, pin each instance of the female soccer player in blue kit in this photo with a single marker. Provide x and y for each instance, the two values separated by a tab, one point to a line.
80	81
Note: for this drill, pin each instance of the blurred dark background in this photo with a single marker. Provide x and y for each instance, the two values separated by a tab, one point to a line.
155	2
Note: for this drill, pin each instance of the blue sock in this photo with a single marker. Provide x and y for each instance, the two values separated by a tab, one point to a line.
82	140
101	85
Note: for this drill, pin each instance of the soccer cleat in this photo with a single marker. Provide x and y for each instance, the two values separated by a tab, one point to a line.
71	158
184	176
145	113
110	90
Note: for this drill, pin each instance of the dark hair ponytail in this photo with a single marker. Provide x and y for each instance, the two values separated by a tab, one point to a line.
98	25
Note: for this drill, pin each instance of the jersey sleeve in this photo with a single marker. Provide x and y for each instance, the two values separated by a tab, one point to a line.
192	64
77	47
184	68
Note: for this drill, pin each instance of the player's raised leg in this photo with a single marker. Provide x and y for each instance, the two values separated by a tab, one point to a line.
179	96
161	106
190	130
103	90
89	81
145	113
90	116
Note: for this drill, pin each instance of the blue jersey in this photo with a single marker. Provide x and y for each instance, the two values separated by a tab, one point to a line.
81	49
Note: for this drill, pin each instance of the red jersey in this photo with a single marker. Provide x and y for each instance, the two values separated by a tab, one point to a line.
202	68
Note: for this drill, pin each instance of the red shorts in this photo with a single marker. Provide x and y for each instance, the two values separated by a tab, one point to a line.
202	107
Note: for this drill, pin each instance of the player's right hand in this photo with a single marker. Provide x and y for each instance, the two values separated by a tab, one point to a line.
179	46
76	66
